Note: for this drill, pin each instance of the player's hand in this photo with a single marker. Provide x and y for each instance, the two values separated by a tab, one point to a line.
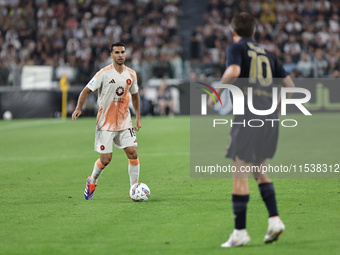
76	114
138	124
211	103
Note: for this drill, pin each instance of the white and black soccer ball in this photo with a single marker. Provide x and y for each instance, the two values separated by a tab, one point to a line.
7	116
139	192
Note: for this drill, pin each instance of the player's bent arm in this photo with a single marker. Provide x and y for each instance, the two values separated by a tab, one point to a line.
229	76
288	82
81	100
136	107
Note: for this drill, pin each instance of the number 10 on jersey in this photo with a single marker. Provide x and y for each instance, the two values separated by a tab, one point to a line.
260	69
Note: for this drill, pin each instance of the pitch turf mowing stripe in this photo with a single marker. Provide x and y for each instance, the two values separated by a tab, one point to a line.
66	157
43	210
28	124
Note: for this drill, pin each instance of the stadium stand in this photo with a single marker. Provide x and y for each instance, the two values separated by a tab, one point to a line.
166	39
303	34
74	36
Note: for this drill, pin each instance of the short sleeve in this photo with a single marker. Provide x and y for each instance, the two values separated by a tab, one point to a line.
234	55
96	82
134	86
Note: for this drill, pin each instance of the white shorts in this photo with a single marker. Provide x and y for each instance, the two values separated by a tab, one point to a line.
121	139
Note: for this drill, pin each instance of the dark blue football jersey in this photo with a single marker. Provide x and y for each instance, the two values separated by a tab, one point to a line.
259	68
246	53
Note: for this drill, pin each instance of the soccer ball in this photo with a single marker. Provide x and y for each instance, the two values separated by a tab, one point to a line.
7	116
139	192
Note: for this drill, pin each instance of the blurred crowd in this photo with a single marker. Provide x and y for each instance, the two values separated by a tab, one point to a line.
74	37
303	34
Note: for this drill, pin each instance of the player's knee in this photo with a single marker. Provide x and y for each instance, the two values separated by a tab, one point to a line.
106	160
132	154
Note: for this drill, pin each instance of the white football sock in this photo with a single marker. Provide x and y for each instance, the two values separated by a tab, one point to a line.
97	171
133	171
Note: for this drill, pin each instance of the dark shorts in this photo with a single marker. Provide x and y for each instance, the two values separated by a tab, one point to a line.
253	144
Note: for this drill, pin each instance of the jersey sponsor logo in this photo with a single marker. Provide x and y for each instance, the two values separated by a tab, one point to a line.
112	81
128	81
120	91
102	147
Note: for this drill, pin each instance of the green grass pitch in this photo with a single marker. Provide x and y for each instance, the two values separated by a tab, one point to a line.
44	165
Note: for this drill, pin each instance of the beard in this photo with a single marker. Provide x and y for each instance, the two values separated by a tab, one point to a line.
120	63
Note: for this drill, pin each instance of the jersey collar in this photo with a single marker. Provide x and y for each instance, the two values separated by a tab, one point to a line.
246	39
117	71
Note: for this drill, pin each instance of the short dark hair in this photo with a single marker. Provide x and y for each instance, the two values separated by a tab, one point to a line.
243	24
117	44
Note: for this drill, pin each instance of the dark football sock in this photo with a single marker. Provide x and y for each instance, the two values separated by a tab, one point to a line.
240	210
268	195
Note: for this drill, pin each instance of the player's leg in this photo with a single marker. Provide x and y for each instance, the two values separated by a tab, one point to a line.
103	145
267	191
99	166
126	139
134	167
240	198
240	195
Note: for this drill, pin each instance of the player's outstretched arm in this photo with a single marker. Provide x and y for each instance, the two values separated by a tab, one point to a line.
81	100
136	107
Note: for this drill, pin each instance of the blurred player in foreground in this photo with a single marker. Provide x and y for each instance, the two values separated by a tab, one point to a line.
114	83
252	146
